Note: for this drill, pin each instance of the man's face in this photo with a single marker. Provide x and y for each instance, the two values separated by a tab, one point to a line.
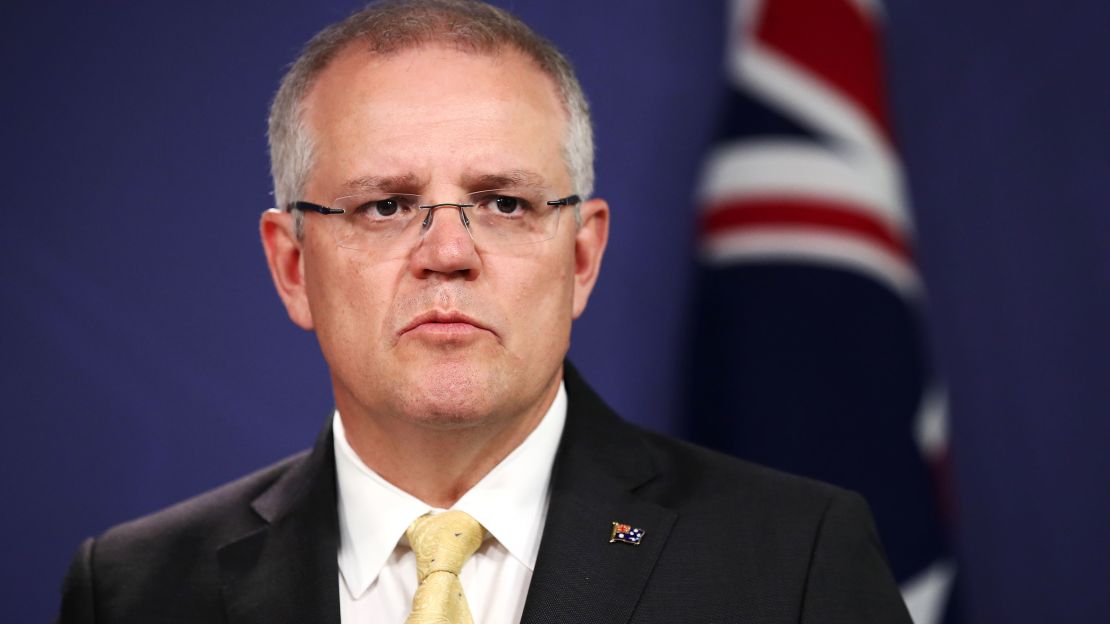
447	332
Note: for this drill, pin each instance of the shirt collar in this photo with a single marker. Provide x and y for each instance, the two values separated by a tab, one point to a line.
510	501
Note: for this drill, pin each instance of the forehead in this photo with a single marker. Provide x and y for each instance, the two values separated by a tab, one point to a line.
434	112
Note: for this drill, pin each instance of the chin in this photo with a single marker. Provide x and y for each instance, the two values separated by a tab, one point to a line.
454	394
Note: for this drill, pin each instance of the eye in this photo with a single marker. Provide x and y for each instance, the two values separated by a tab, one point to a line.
507	205
385	207
381	209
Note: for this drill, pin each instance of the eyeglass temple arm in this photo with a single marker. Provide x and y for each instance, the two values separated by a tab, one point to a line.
566	201
311	207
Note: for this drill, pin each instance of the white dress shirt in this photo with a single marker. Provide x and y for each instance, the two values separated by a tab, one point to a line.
377	569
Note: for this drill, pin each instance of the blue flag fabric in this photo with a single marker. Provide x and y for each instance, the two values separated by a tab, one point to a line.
808	351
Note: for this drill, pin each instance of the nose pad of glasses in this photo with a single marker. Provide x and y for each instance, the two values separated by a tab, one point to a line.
427	222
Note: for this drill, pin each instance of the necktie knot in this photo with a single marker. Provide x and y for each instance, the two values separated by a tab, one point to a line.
443	542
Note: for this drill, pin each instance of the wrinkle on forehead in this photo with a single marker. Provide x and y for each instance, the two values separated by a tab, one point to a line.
412	183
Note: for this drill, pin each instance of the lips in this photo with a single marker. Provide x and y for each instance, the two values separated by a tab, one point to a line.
442	322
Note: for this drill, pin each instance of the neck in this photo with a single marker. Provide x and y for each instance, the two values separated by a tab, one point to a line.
437	464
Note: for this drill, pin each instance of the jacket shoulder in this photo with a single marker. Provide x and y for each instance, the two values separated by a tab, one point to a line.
213	516
688	477
691	474
806	550
166	562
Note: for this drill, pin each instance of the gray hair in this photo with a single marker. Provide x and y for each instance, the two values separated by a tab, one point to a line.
395	26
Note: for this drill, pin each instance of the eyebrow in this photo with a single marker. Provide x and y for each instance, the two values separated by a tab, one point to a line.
409	182
406	181
513	178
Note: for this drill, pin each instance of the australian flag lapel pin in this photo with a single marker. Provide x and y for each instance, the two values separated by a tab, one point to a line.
626	533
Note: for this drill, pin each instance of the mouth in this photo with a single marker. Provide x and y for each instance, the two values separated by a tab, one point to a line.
446	325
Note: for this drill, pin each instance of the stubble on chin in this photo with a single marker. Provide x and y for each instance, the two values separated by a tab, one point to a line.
453	394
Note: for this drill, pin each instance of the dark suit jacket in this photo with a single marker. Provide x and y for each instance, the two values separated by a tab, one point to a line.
725	541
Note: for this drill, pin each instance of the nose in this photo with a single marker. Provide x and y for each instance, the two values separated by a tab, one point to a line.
446	245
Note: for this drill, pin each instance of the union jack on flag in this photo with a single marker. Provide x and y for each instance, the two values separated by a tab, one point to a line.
626	533
809	349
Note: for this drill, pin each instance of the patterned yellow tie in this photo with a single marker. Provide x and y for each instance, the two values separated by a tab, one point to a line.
442	544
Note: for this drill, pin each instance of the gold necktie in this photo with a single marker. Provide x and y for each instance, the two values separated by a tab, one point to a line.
442	544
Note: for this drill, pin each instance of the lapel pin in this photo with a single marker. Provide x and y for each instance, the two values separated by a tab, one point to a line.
626	533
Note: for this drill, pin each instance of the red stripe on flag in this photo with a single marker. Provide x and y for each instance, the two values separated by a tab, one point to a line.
793	212
836	41
941	469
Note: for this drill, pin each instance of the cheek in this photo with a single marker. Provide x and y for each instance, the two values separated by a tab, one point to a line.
367	292
543	294
349	301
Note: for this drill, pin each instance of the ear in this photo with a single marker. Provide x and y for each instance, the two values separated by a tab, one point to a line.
589	247
286	261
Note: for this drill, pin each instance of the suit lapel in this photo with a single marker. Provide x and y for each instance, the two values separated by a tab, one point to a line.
580	576
286	571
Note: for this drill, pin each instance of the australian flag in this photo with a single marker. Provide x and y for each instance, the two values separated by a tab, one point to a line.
626	533
809	353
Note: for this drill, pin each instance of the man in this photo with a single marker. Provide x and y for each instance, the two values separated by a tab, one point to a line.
433	164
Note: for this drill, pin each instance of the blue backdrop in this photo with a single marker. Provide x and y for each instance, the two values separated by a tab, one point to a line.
146	357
